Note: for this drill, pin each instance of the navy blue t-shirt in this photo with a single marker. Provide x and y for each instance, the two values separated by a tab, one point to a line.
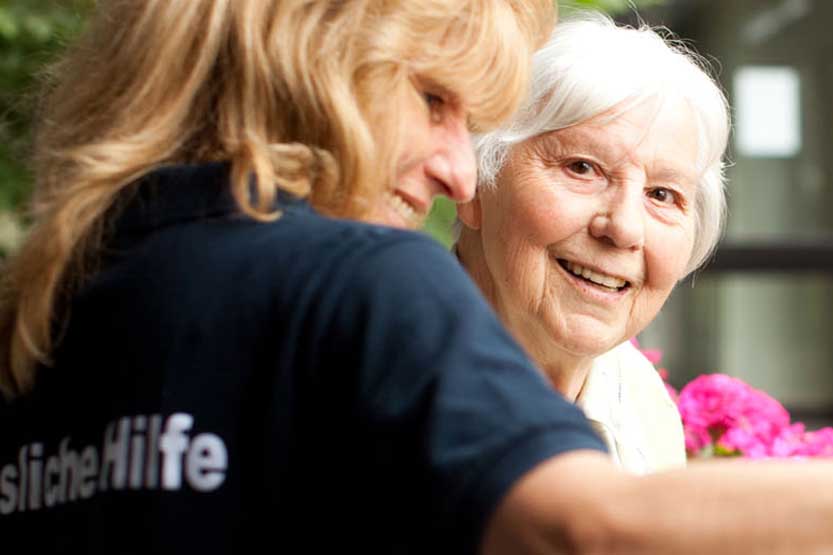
306	385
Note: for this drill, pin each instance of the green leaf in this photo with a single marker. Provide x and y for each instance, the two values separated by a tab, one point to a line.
706	452
8	25
612	7
31	33
11	232
441	220
720	451
40	28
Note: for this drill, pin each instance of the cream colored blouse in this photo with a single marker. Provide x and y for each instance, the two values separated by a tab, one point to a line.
627	404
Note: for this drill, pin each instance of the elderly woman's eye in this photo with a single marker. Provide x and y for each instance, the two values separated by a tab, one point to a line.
580	167
663	195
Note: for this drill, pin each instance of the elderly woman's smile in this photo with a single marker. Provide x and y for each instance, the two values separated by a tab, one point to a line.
588	229
585	275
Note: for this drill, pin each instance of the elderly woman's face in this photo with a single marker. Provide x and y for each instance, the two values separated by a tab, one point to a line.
590	227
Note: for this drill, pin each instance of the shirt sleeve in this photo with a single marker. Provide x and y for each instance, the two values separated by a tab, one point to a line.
433	359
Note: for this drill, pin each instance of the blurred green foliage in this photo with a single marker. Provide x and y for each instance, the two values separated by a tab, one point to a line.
613	7
31	33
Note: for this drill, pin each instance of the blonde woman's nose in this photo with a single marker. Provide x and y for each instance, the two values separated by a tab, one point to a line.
453	165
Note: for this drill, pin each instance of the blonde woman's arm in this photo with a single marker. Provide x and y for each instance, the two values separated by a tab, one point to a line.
579	503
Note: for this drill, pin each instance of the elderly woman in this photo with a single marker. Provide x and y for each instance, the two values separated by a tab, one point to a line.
604	192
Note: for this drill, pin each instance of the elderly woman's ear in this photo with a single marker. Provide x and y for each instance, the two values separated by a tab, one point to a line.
469	212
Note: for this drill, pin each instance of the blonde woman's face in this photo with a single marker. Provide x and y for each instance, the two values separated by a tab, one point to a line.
437	159
590	228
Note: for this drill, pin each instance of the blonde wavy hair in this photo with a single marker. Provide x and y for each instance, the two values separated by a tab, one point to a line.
300	94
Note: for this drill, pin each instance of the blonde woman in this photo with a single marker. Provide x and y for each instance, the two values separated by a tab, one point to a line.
200	358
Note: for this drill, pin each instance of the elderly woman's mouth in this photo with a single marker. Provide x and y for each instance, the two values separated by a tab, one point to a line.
596	278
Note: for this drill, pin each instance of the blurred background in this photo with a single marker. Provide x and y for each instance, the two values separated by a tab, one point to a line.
32	32
762	310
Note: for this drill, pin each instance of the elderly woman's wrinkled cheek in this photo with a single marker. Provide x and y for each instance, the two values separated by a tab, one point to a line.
667	253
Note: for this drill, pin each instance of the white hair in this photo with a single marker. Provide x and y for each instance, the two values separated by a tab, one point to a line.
591	66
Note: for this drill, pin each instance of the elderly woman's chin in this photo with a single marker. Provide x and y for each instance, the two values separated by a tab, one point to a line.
587	339
585	334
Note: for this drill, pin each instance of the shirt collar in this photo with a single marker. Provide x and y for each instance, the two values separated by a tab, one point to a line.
174	194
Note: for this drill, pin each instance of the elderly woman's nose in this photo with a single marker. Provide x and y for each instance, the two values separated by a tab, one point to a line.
453	165
621	220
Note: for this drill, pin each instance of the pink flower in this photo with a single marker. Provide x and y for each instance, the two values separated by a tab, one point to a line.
796	442
790	442
818	443
721	411
723	416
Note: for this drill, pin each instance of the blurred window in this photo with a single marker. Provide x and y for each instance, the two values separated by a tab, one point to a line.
763	309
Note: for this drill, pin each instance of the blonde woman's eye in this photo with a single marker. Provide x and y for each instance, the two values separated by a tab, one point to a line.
433	100
436	105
